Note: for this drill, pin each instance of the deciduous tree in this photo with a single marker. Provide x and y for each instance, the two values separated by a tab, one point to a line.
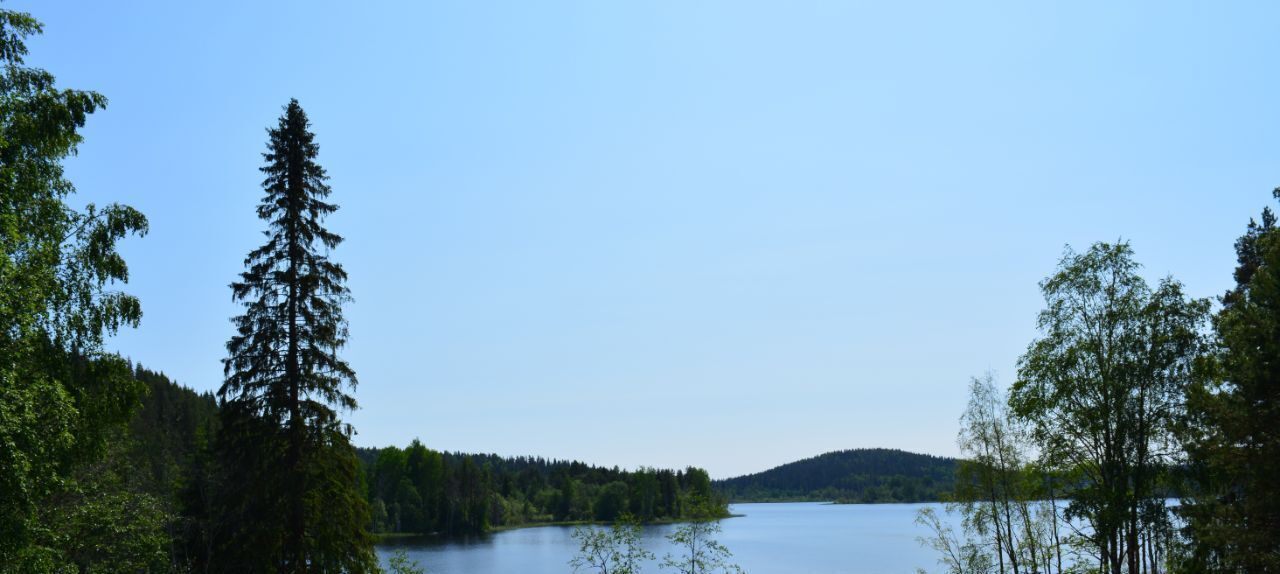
615	550
698	551
62	398
1102	389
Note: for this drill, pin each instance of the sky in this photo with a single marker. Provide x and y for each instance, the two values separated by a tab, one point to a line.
670	233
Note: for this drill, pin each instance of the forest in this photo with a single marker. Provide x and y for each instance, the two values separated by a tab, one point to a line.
853	476
414	490
419	490
1130	390
164	454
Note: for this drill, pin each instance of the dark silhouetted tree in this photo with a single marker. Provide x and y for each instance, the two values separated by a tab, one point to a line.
291	499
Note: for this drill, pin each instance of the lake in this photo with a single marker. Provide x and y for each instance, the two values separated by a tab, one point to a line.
774	538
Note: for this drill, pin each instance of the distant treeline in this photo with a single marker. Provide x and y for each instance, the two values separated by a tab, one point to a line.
862	475
419	490
415	489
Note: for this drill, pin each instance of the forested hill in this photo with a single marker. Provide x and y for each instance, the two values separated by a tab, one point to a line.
169	432
861	475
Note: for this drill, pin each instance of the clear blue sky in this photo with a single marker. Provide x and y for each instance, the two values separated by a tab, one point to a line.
728	234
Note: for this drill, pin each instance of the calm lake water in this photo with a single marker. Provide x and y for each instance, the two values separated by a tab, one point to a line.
778	538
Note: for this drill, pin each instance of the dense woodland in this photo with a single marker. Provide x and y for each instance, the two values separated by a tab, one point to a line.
420	490
416	489
1130	387
166	453
861	475
170	432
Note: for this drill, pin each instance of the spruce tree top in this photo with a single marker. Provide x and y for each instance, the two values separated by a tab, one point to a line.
283	362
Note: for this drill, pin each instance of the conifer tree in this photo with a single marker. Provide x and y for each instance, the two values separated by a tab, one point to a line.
1232	513
290	501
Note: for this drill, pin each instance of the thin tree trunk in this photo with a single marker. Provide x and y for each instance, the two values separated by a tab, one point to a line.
1116	554
297	523
1053	505
995	525
1029	535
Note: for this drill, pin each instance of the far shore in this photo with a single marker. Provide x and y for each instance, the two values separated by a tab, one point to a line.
385	537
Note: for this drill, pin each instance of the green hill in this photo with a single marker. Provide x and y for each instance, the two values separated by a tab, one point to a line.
860	475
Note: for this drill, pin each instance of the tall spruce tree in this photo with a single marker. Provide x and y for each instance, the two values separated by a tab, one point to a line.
290	487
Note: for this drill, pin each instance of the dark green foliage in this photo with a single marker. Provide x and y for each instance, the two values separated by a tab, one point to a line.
170	432
287	491
420	490
860	475
1233	517
612	501
123	506
247	525
170	459
100	516
108	522
282	364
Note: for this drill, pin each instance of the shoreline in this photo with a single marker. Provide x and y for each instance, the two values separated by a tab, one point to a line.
386	537
830	501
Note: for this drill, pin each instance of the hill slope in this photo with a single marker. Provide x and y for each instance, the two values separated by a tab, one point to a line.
861	475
